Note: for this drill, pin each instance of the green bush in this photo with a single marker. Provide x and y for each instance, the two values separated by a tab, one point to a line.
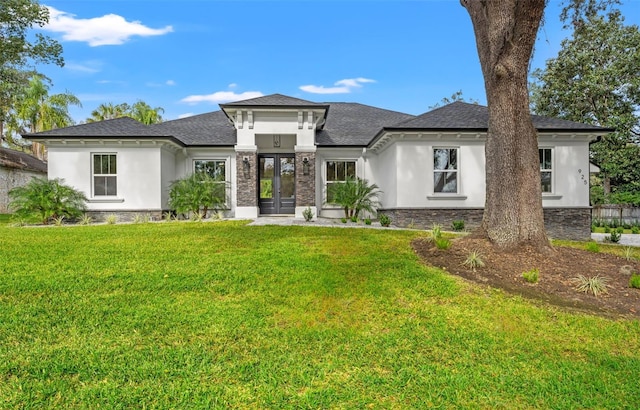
474	260
614	237
46	200
307	214
607	229
442	243
354	196
197	194
532	275
635	230
367	221
343	220
594	284
384	219
353	219
458	225
634	281
592	247
620	229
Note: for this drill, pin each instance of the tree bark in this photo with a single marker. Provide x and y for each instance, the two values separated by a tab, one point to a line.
505	32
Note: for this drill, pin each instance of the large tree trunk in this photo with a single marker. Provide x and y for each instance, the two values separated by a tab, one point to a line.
505	33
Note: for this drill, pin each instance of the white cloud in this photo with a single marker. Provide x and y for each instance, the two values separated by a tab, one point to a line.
89	67
110	29
342	86
221	97
186	115
232	85
170	83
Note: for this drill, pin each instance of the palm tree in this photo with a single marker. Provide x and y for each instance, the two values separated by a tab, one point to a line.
143	112
40	111
109	111
354	196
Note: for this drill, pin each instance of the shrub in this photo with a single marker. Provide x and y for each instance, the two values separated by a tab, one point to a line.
86	219
458	225
635	230
594	284
614	237
607	229
353	219
474	261
384	219
436	232
367	221
354	196
307	214
47	199
442	243
593	227
197	194
592	247
343	220
167	216
58	220
628	253
532	275
620	229
111	219
634	281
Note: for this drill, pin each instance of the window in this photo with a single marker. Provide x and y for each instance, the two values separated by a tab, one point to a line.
546	169
445	170
105	175
216	169
338	172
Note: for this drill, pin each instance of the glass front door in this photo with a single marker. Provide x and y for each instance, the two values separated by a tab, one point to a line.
277	184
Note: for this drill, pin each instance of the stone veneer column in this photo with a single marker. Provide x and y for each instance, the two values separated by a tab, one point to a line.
305	184
246	185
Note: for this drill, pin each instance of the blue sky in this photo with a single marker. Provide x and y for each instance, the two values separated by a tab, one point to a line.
188	56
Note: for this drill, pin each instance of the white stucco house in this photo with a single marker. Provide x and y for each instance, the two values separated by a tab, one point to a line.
279	154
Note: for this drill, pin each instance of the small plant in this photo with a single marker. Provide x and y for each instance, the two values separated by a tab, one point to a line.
58	220
436	232
443	243
635	230
343	220
458	225
473	261
594	284
196	217
384	220
614	237
607	229
620	229
593	227
353	218
111	219
367	221
137	218
411	225
592	247
628	253
86	219
532	275
634	281
167	216
307	214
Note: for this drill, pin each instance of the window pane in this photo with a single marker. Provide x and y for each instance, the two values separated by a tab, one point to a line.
329	193
96	164
445	182
112	164
545	158
445	158
220	173
111	185
331	171
99	186
340	171
545	178
351	169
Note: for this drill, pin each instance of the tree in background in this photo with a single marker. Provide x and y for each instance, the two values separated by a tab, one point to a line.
505	33
140	111
595	79
38	111
457	96
18	50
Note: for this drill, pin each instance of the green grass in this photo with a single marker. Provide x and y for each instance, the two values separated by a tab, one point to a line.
224	315
5	219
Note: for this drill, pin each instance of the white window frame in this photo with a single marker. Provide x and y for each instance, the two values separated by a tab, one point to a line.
456	171
94	175
326	181
226	175
551	170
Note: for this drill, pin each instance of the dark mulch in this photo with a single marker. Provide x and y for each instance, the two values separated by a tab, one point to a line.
558	268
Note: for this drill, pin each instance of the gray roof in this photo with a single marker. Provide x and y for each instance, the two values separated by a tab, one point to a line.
213	128
464	116
274	100
21	160
118	127
353	124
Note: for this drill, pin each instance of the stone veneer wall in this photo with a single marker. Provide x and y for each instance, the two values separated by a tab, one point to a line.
305	184
247	185
125	216
11	178
560	223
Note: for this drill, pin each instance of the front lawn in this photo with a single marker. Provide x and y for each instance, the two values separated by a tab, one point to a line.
224	315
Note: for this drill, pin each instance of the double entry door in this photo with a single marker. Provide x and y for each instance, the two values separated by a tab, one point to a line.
277	184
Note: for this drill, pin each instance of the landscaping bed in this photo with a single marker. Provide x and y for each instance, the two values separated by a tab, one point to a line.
558	270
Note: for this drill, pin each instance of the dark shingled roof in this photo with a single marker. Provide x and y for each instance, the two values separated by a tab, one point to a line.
212	128
273	100
353	124
21	160
118	127
464	116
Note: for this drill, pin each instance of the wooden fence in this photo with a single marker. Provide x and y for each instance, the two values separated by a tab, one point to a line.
623	214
